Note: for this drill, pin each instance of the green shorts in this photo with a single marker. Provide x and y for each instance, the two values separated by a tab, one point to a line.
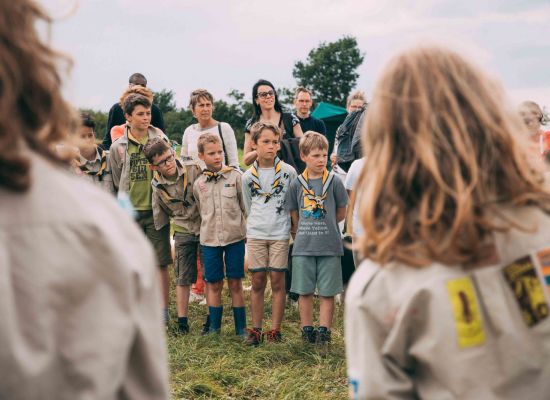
323	273
159	239
187	246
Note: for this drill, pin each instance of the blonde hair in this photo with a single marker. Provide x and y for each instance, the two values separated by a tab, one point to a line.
33	114
443	161
205	139
530	108
136	89
312	141
257	129
357	95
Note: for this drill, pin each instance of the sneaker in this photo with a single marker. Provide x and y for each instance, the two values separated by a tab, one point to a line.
254	337
274	336
324	337
309	336
196	298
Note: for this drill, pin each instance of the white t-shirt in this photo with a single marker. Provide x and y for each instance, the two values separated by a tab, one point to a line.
352	176
191	137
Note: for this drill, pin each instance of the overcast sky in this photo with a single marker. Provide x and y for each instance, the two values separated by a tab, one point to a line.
222	45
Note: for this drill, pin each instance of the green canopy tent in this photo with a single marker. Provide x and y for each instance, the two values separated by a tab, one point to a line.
333	116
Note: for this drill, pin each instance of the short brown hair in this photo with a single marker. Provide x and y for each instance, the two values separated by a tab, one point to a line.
205	139
301	89
133	100
198	94
155	147
312	141
258	128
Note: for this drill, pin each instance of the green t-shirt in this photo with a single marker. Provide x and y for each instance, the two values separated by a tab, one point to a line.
141	191
180	229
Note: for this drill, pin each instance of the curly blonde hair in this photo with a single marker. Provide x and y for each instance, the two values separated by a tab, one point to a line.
443	161
33	114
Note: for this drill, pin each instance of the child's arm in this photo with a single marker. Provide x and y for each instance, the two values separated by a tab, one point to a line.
239	185
116	166
349	216
247	196
340	214
160	216
294	219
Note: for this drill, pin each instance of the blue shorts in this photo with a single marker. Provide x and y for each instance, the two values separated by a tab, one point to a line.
213	261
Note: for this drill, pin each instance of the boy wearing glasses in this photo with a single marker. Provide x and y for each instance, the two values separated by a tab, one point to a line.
132	175
173	198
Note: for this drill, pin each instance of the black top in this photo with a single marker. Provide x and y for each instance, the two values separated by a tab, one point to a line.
116	117
313	124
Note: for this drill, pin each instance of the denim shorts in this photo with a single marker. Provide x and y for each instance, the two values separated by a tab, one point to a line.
213	260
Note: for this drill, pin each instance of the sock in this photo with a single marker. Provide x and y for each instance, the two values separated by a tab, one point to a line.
165	315
182	321
307	328
215	318
239	315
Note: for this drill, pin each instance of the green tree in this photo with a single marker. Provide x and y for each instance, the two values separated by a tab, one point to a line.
330	70
165	100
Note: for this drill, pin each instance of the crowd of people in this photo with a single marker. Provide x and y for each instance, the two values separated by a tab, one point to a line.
443	188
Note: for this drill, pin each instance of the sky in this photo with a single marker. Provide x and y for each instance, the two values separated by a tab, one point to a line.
182	45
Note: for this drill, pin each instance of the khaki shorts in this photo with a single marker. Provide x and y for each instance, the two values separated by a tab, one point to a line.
159	239
267	255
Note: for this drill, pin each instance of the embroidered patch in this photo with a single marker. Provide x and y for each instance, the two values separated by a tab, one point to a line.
525	284
467	316
544	261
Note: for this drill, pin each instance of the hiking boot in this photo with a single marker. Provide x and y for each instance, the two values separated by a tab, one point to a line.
309	335
254	337
274	336
323	337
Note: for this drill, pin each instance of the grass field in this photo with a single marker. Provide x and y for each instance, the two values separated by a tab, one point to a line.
222	367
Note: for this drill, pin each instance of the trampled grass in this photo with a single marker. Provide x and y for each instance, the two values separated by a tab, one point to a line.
222	367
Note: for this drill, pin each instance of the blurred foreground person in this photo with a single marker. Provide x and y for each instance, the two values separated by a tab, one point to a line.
452	299
79	303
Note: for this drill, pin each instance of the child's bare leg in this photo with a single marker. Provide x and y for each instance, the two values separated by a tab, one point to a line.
326	311
306	310
278	298
259	280
164	285
182	300
214	293
236	289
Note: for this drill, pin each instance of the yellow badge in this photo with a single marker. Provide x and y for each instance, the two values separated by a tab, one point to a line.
527	288
469	326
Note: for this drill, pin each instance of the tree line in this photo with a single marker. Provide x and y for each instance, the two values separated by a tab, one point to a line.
329	71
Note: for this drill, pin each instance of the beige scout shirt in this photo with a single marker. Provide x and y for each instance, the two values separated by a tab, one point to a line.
173	199
222	209
79	302
448	333
97	171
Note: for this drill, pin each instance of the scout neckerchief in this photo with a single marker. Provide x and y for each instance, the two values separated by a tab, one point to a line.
135	141
102	166
278	165
316	203
214	176
164	192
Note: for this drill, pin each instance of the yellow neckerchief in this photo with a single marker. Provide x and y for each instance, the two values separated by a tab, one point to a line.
312	201
214	176
164	192
257	188
102	167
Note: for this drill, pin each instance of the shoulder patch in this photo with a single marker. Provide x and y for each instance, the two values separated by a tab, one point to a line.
522	278
466	312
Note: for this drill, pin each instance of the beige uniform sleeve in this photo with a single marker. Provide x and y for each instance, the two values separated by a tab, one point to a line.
375	351
116	166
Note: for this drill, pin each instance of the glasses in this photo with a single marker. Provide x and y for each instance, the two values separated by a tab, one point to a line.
263	95
168	159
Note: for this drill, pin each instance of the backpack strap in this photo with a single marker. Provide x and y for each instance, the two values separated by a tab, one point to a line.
223	143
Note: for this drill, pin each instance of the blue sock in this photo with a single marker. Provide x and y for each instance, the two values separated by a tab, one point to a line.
239	315
215	318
